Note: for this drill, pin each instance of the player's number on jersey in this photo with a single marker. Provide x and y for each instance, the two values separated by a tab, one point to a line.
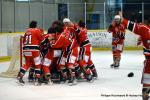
28	39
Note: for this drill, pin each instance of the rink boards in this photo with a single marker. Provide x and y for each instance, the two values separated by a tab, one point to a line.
100	40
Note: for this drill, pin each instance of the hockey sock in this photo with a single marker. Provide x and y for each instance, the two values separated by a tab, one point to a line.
48	76
31	70
64	72
116	61
31	73
37	73
78	70
22	72
87	70
93	69
72	72
145	93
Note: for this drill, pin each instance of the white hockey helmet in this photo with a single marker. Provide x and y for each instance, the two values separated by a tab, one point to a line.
66	20
117	19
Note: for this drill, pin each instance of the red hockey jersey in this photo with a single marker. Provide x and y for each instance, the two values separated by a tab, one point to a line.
82	37
118	33
142	30
32	39
70	33
61	41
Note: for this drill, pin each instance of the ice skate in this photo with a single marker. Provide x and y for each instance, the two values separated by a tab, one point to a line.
89	78
20	81
55	78
31	78
31	75
62	78
94	75
112	65
72	81
81	78
37	82
116	66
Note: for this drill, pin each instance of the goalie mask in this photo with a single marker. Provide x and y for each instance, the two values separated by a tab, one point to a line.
117	19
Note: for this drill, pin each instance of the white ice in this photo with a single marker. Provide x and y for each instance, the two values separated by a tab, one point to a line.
112	84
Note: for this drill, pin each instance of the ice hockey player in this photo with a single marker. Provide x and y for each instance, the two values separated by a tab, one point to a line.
69	56
118	36
69	26
31	52
85	60
31	76
143	30
75	30
54	68
49	65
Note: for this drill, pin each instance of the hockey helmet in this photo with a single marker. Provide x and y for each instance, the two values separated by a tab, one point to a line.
66	20
117	19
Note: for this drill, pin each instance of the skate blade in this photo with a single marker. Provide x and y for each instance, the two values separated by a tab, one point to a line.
81	80
49	83
72	84
55	80
114	67
20	84
64	82
95	78
91	81
37	84
111	66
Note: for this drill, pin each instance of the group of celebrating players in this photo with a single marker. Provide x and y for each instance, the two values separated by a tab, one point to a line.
63	54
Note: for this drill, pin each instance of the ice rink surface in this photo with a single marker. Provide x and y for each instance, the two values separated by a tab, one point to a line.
112	84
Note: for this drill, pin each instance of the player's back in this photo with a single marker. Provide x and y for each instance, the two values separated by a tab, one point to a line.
70	33
82	36
144	32
61	41
33	36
